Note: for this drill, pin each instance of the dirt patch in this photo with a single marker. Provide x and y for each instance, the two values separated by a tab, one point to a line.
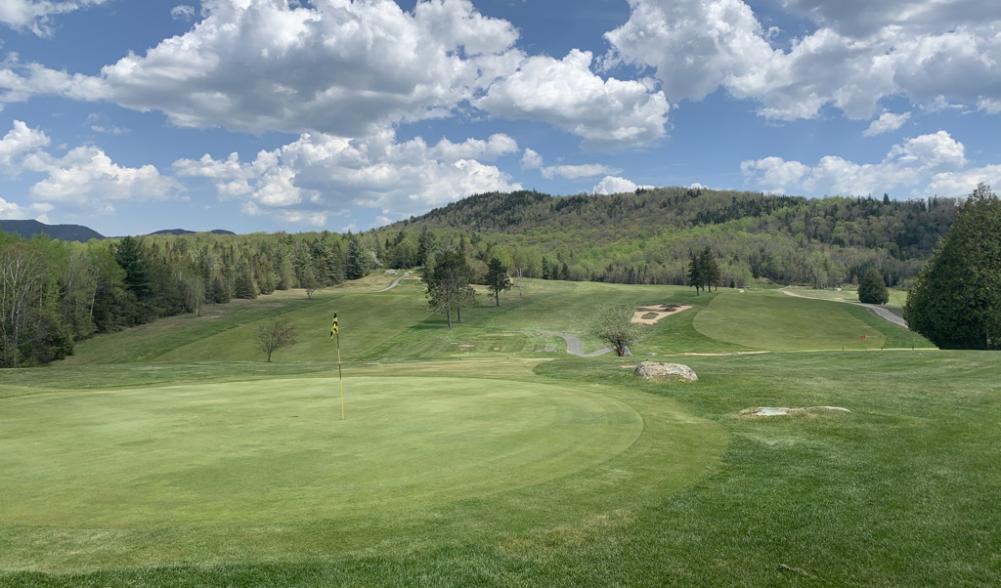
651	315
803	411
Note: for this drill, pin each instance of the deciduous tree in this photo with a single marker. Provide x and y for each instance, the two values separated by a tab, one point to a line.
275	335
614	326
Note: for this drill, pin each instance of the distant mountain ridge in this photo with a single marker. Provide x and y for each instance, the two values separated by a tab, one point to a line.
187	232
29	228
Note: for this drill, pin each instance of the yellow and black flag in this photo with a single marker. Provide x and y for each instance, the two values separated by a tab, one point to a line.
334	327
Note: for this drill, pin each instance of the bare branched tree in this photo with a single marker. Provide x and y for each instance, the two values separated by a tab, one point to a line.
275	335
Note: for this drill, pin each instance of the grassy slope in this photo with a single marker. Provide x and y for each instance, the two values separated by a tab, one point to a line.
902	491
774	321
898	298
395	326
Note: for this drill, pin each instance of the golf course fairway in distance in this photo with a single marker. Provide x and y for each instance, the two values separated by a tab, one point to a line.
267	469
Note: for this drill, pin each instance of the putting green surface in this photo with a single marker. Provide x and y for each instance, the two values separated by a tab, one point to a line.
210	467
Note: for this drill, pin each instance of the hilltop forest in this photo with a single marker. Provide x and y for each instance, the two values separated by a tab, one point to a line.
647	237
53	293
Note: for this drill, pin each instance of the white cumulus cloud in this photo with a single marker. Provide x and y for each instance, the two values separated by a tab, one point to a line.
615	185
318	174
531	159
910	164
14	211
20	142
335	66
860	52
85	177
568	95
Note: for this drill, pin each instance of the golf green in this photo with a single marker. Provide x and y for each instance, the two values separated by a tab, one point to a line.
261	452
266	468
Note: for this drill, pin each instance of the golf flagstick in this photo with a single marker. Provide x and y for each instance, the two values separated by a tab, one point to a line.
335	331
340	375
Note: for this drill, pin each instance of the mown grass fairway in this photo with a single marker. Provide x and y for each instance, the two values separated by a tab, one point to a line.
172	455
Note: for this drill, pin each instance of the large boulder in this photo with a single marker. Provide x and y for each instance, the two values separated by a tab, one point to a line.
651	370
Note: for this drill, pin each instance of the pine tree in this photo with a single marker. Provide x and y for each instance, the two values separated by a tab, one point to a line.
243	284
956	299
425	246
130	253
497	278
709	269
695	274
356	267
872	288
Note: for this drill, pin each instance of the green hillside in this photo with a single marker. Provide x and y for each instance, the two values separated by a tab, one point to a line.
647	236
395	325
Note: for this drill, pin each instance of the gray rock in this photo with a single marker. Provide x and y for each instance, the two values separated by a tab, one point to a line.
651	370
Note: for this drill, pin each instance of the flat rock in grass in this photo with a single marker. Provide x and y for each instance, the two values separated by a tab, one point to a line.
773	411
677	372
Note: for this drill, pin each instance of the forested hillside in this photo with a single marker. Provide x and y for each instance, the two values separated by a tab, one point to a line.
53	293
648	236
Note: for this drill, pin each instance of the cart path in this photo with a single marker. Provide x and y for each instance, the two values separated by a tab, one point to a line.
877	309
393	284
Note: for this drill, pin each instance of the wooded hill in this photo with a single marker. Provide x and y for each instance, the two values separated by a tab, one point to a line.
29	228
648	236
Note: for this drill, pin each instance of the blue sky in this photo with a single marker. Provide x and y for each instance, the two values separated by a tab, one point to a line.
131	116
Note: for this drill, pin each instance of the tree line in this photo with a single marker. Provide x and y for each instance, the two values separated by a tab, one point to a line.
55	293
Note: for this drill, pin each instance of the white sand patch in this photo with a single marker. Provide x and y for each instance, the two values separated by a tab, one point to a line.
651	315
773	411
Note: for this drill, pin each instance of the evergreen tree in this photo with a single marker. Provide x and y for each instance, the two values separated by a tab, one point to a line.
356	267
695	274
872	288
709	269
497	278
130	254
956	299
219	291
243	285
425	246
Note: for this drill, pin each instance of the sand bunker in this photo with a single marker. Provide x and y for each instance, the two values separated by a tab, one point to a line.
772	411
651	315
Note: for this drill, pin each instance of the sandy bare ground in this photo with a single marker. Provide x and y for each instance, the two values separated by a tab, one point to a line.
877	309
651	315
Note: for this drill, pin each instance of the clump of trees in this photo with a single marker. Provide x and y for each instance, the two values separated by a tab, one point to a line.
872	288
703	271
54	293
274	335
956	299
448	284
614	326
